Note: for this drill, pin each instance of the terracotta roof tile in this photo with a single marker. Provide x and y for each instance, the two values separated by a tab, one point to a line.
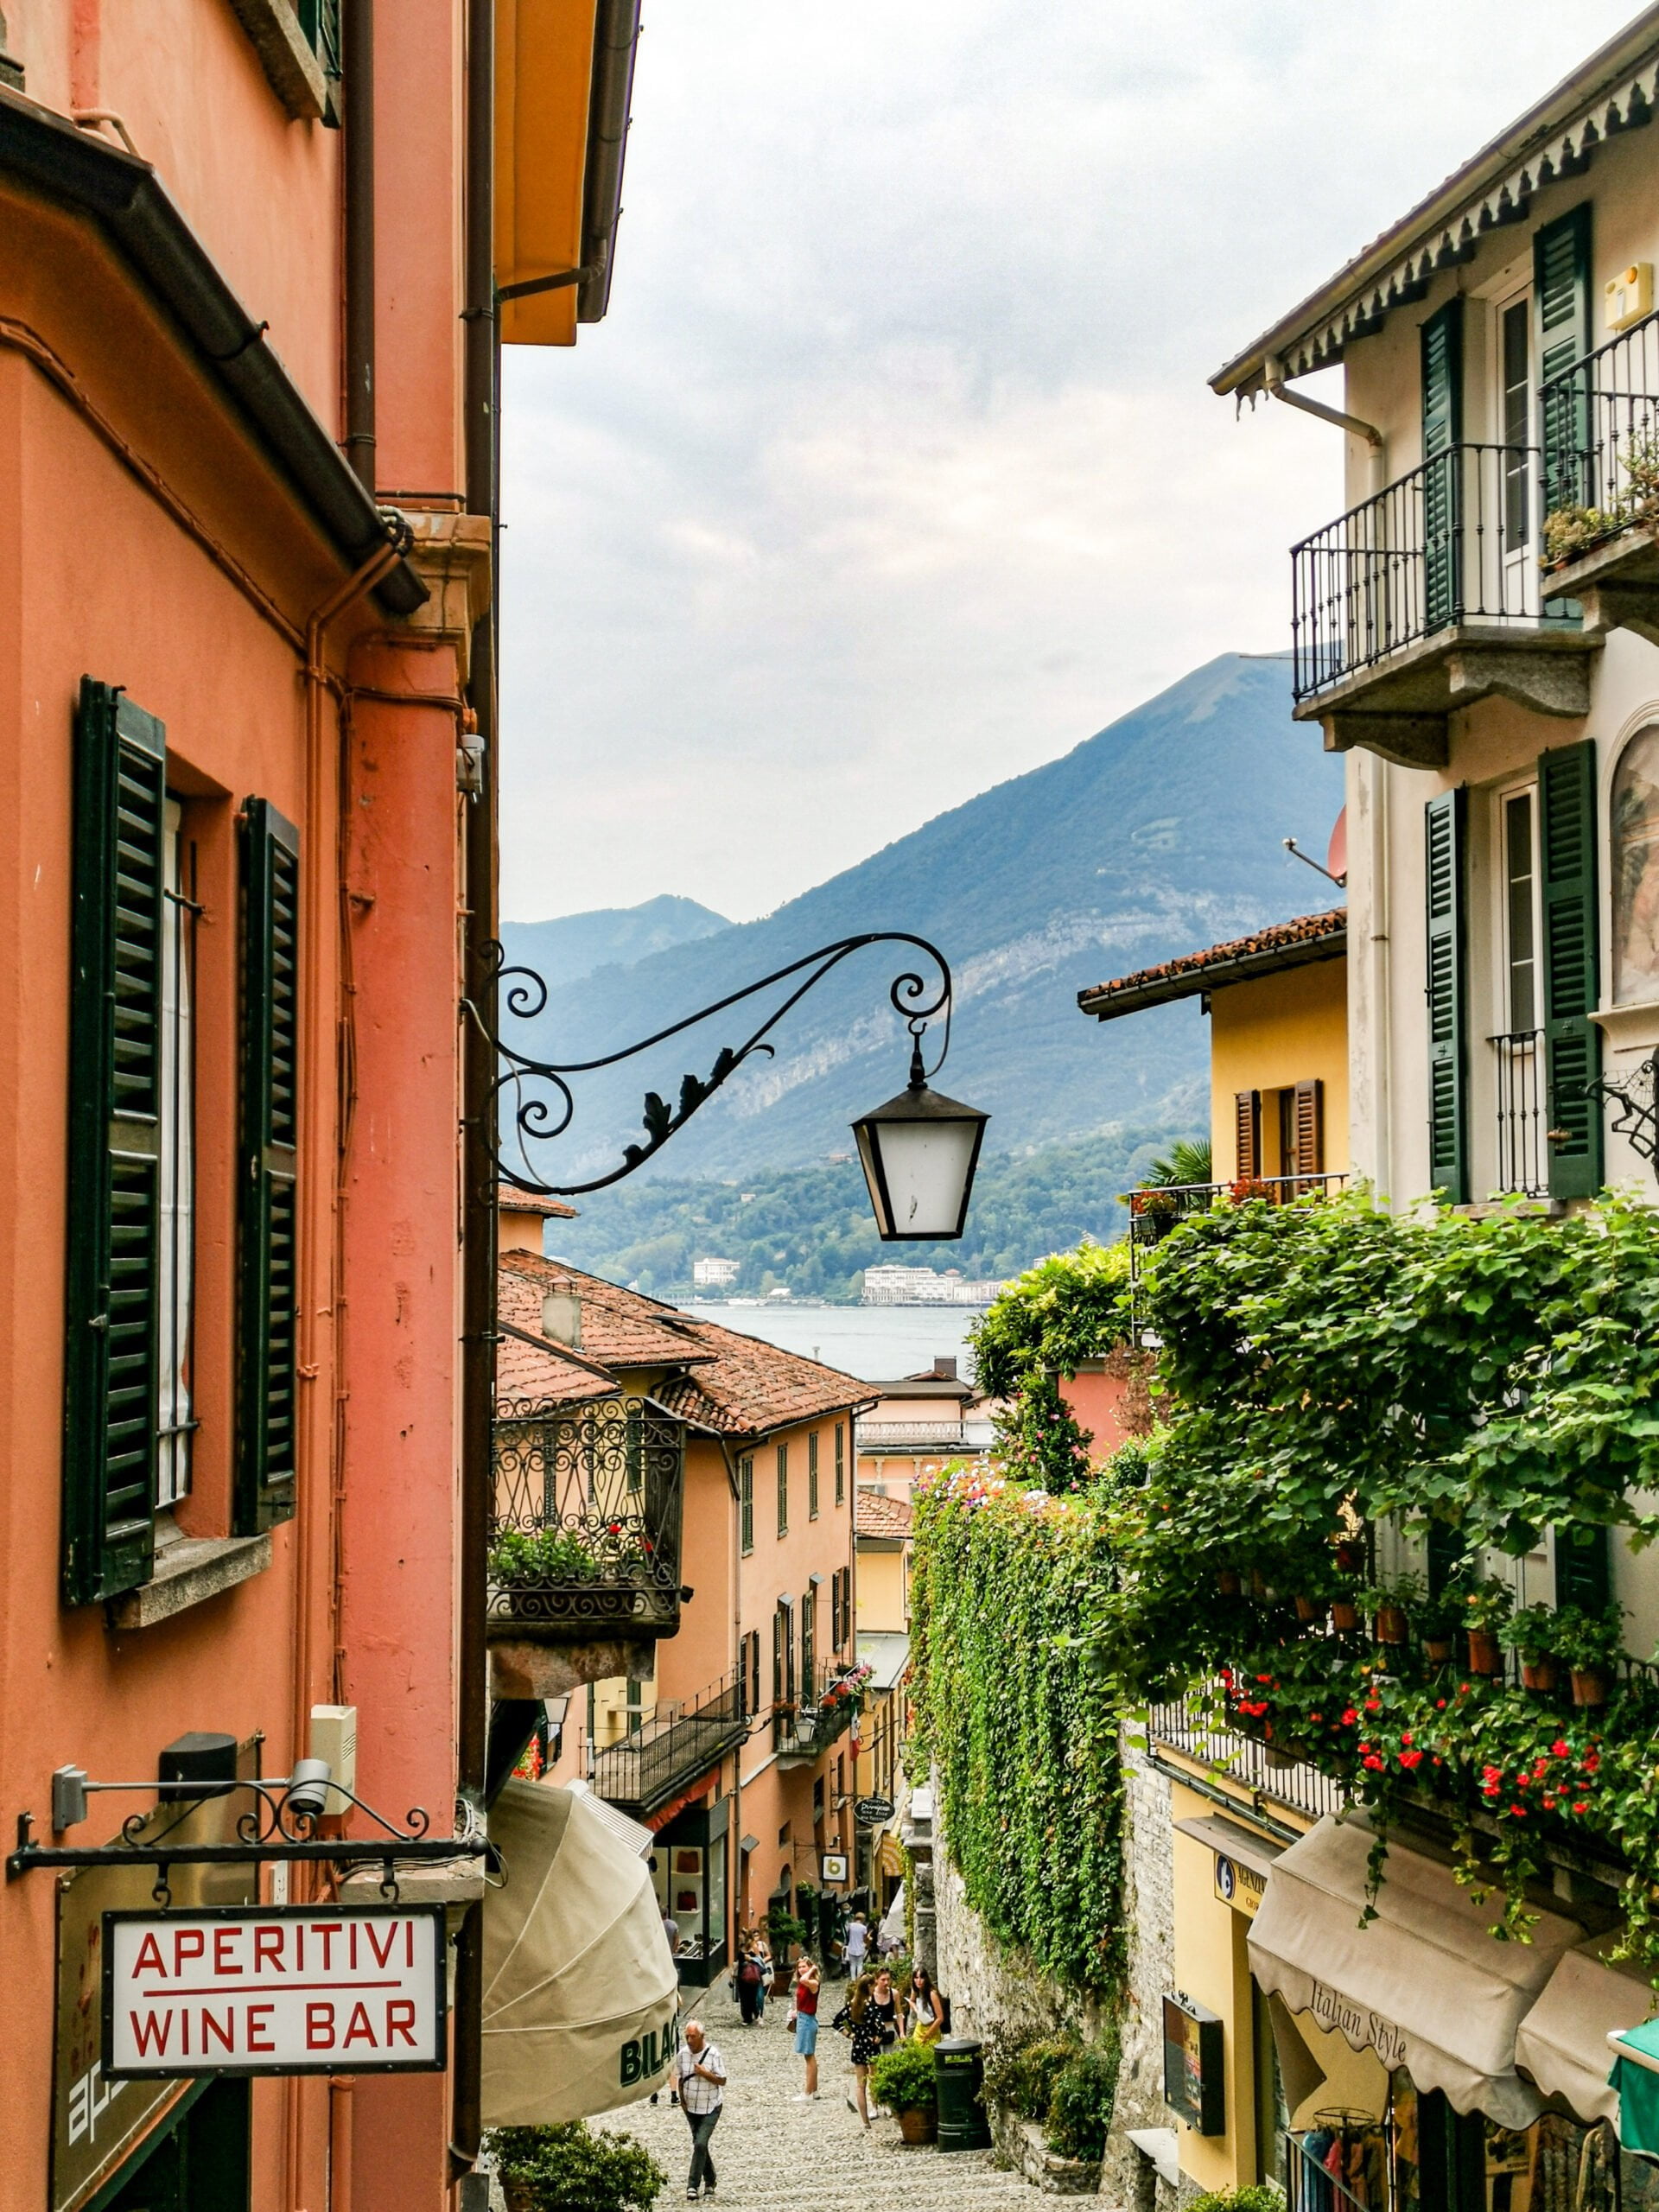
750	1387
511	1199
1292	945
528	1376
619	1327
878	1515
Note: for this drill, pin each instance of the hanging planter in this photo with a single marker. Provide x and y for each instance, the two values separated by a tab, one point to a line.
1228	1581
1309	1610
1278	1758
1589	1687
1538	1674
1391	1624
1437	1650
1485	1652
1344	1615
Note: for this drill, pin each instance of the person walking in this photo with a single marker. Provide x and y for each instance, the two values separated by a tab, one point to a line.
856	1945
921	2007
805	2016
870	2016
700	2075
748	1978
763	1955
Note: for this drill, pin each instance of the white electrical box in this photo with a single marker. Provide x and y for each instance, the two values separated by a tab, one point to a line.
1630	295
334	1738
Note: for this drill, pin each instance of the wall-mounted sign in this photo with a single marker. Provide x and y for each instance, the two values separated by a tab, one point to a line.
870	1812
1193	2086
832	1866
1239	1885
290	1989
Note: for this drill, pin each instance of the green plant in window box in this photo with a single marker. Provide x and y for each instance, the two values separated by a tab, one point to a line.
1589	1645
1533	1635
539	1558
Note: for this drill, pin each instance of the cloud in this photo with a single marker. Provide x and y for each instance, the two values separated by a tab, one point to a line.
893	471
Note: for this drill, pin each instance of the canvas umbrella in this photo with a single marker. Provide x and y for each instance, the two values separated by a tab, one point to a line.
581	1996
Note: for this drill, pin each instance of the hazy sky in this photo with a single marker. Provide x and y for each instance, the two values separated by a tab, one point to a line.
893	471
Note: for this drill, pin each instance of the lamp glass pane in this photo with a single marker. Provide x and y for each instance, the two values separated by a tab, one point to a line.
927	1164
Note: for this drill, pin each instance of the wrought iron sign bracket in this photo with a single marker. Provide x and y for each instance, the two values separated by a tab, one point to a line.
542	1105
1637	1098
281	1825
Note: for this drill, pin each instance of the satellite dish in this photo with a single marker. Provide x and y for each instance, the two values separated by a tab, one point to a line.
1336	860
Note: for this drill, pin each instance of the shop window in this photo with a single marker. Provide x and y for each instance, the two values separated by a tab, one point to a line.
1635	870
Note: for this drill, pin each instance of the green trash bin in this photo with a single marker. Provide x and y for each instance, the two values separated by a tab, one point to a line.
959	2072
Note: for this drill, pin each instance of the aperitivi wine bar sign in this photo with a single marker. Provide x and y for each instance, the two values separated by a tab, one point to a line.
285	1989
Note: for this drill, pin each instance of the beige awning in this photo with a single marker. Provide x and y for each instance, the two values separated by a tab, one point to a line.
1562	2043
581	1996
1424	1985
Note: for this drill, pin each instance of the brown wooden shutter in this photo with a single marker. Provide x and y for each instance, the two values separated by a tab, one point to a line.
1309	1127
1247	1112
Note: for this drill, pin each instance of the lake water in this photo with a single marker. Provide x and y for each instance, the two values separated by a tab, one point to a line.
879	1344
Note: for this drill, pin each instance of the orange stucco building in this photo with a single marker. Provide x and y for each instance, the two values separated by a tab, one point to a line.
734	1735
246	495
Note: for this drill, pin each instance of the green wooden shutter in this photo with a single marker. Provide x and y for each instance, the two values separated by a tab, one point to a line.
1448	1135
1561	280
1584	1569
268	1231
1567	804
1442	367
113	1349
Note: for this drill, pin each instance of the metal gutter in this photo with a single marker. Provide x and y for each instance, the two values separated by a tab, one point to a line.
616	42
128	201
1582	90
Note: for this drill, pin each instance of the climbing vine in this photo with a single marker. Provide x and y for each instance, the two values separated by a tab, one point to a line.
1006	1706
1067	1308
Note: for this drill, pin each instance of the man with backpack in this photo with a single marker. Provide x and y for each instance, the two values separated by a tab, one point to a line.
749	1976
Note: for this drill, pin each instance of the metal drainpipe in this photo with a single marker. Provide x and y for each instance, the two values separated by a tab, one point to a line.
357	62
1273	378
478	1167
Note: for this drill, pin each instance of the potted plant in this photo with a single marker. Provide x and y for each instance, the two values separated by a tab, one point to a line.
1390	1603
1485	1609
572	2168
1344	1611
1532	1635
782	1932
903	2080
539	1558
1590	1645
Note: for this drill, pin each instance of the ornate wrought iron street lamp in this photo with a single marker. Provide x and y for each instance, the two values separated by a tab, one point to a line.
919	1151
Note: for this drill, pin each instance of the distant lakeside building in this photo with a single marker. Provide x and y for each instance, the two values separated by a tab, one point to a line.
715	1275
894	1285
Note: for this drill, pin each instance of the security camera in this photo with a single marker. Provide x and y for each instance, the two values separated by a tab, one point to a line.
308	1788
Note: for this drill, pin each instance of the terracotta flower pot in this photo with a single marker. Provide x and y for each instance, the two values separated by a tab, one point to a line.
1258	1583
1344	1614
1589	1686
918	2125
1485	1653
520	2194
1437	1650
1390	1625
1308	1609
1227	1580
1537	1674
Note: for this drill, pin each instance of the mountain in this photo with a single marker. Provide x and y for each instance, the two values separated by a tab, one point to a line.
1159	835
811	1228
575	945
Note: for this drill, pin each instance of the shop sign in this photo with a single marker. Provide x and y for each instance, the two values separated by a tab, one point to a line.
1193	2084
282	1989
1360	2026
1239	1885
98	2122
832	1867
870	1812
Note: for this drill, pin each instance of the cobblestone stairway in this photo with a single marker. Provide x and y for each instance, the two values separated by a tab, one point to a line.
773	2155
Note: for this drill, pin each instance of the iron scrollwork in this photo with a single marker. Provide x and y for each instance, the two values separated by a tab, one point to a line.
533	1099
1637	1099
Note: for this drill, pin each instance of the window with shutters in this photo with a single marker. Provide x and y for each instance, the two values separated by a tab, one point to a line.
1247	1135
1635	870
1445	863
812	1476
1561	293
783	1490
175	1421
841	1463
808	1640
1567	842
746	1501
1516	1044
1443	522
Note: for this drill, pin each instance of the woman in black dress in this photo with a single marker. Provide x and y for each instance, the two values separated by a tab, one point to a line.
871	2015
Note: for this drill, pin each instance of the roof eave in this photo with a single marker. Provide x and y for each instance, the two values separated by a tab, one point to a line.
1246	968
1587	84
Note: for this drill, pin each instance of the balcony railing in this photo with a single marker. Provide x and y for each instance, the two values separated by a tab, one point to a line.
1456	541
910	1436
675	1748
1185	1727
1600	424
585	1538
804	1729
1523	1121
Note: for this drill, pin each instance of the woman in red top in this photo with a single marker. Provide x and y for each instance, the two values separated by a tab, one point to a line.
806	2024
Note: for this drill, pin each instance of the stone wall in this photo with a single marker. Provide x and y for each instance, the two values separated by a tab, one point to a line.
994	1990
